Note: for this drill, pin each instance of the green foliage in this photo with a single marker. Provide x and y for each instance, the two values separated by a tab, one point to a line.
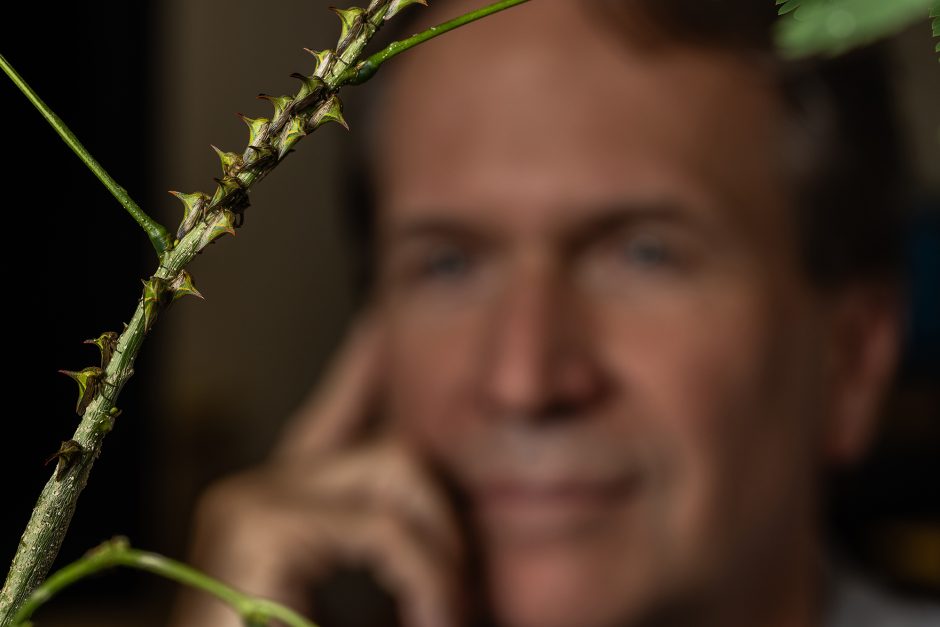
935	14
831	27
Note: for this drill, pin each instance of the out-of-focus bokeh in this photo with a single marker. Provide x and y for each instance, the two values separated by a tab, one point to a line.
148	86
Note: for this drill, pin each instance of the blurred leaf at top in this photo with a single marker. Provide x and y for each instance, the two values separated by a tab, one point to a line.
830	27
935	14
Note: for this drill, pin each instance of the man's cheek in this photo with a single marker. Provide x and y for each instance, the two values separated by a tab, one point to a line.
428	386
691	374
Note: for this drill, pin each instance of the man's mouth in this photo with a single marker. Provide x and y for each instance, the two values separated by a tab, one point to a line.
537	511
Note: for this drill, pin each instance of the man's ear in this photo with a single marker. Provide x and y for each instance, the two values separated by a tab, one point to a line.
865	338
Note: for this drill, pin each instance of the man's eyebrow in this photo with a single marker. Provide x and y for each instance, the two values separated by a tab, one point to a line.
582	223
429	227
605	218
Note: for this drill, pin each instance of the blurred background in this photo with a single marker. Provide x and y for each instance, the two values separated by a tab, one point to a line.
147	87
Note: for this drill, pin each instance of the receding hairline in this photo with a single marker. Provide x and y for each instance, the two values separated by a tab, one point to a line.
845	143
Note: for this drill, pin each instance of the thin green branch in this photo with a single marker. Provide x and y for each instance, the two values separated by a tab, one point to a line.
365	69
158	235
205	219
117	552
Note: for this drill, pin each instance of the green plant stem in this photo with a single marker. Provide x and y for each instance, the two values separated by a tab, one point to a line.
52	514
50	518
365	69
158	235
117	552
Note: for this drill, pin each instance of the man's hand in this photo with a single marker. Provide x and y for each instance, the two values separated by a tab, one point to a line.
327	498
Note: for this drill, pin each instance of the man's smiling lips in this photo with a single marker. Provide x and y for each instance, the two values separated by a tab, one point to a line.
542	510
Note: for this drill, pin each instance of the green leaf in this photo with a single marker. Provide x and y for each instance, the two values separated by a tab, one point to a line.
935	25
87	380
787	5
106	343
329	111
830	27
69	452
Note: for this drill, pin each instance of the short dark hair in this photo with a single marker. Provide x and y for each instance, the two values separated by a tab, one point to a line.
851	188
853	202
853	170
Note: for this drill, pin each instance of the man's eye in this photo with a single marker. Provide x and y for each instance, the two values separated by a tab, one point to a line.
447	264
645	250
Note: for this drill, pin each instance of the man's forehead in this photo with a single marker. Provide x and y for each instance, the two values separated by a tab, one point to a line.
542	105
557	45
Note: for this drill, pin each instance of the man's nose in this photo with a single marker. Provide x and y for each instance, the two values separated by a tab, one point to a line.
540	364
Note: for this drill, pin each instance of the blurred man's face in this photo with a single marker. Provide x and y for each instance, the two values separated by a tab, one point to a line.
597	319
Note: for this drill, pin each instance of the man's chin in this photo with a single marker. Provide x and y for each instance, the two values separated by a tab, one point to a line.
558	584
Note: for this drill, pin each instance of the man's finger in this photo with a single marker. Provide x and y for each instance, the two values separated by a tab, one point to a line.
275	545
381	476
423	582
341	403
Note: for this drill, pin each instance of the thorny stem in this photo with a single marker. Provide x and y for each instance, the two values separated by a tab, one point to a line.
158	235
206	220
365	69
117	552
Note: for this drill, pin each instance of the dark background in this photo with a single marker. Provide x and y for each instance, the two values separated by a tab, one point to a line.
73	258
146	87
